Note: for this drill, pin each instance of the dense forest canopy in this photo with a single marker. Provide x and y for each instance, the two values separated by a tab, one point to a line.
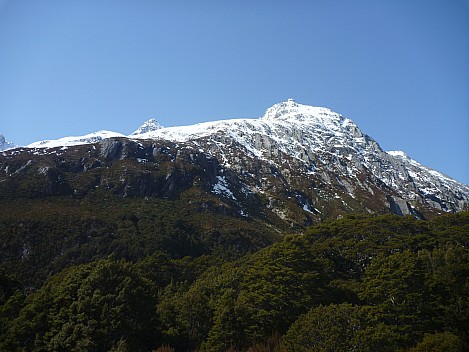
360	283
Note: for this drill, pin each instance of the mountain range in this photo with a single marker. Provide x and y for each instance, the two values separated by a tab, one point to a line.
298	163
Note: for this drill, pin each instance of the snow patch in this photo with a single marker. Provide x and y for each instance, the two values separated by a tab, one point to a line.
221	188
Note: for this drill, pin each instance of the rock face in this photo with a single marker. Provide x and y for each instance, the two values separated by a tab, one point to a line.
295	165
5	145
328	148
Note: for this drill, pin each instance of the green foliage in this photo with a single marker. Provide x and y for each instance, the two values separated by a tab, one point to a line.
340	328
361	283
439	342
8	286
279	284
396	284
448	283
187	316
90	307
423	291
56	233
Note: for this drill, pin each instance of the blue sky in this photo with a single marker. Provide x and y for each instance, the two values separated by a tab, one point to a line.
398	69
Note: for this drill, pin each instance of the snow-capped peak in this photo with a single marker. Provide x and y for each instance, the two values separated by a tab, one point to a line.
69	141
322	141
148	126
281	109
291	109
294	129
315	139
4	144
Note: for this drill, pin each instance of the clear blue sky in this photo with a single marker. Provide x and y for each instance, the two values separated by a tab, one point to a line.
399	69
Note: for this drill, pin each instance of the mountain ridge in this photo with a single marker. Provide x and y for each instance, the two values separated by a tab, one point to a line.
316	155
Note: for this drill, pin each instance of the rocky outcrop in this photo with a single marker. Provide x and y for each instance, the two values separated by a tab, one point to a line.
5	145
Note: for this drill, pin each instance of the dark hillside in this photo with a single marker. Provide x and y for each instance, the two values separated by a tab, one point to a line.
374	283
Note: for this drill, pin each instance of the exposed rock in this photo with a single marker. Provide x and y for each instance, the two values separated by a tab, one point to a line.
111	149
399	206
5	145
297	164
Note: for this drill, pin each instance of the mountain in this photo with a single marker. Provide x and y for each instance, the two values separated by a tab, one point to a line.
5	145
298	162
70	141
327	148
149	126
222	188
195	238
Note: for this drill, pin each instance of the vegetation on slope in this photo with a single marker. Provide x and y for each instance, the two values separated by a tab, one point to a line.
382	283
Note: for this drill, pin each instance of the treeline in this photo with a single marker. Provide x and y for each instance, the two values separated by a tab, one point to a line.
382	283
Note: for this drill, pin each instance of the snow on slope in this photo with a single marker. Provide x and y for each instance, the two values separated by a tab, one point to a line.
5	145
430	183
409	161
70	141
325	142
148	126
322	140
295	129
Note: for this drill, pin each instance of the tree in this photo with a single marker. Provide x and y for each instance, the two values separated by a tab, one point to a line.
88	308
396	285
447	282
338	328
282	282
439	342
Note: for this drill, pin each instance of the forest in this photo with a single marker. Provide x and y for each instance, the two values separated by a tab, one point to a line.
359	283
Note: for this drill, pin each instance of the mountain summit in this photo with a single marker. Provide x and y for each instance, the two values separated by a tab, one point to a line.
148	126
4	144
290	108
299	162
